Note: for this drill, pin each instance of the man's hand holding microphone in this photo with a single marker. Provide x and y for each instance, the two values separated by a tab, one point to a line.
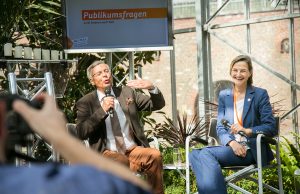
108	101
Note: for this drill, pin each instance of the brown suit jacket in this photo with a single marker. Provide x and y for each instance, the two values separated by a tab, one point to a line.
90	121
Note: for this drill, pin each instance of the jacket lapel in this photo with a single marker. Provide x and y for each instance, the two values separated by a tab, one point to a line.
229	103
120	98
95	100
122	95
248	100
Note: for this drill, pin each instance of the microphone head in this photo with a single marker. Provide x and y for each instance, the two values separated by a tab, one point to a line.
224	122
107	91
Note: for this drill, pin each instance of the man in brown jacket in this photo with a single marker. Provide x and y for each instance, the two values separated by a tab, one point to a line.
108	118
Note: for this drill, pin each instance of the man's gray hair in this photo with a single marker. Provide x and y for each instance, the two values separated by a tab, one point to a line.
91	67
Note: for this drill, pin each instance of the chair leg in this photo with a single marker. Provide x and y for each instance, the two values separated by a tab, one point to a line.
259	164
260	181
237	188
187	165
279	168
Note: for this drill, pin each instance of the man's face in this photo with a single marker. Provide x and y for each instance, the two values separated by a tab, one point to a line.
101	77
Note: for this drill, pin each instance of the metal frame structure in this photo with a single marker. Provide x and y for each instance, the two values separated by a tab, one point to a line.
204	30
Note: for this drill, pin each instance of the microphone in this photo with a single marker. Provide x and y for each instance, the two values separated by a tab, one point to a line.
226	124
107	92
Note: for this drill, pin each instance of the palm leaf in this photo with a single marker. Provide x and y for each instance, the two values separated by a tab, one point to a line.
176	133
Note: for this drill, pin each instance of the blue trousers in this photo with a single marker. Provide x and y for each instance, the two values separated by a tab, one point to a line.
207	165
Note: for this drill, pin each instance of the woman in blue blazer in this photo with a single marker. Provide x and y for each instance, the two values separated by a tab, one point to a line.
247	109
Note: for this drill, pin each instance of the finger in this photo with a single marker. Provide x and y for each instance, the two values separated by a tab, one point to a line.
232	131
111	104
244	151
49	103
108	99
243	154
132	83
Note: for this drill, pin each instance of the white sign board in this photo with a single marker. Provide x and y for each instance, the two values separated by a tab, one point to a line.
97	25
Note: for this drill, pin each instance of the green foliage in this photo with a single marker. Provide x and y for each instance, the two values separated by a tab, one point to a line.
167	154
39	21
173	180
290	161
145	57
174	189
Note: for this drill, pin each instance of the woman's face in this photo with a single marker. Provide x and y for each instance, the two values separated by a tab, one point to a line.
240	73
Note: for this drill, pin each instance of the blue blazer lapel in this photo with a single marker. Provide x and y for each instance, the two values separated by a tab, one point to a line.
248	101
229	104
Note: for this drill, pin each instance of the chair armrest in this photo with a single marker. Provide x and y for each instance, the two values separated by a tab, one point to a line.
262	138
269	140
71	127
266	139
199	140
